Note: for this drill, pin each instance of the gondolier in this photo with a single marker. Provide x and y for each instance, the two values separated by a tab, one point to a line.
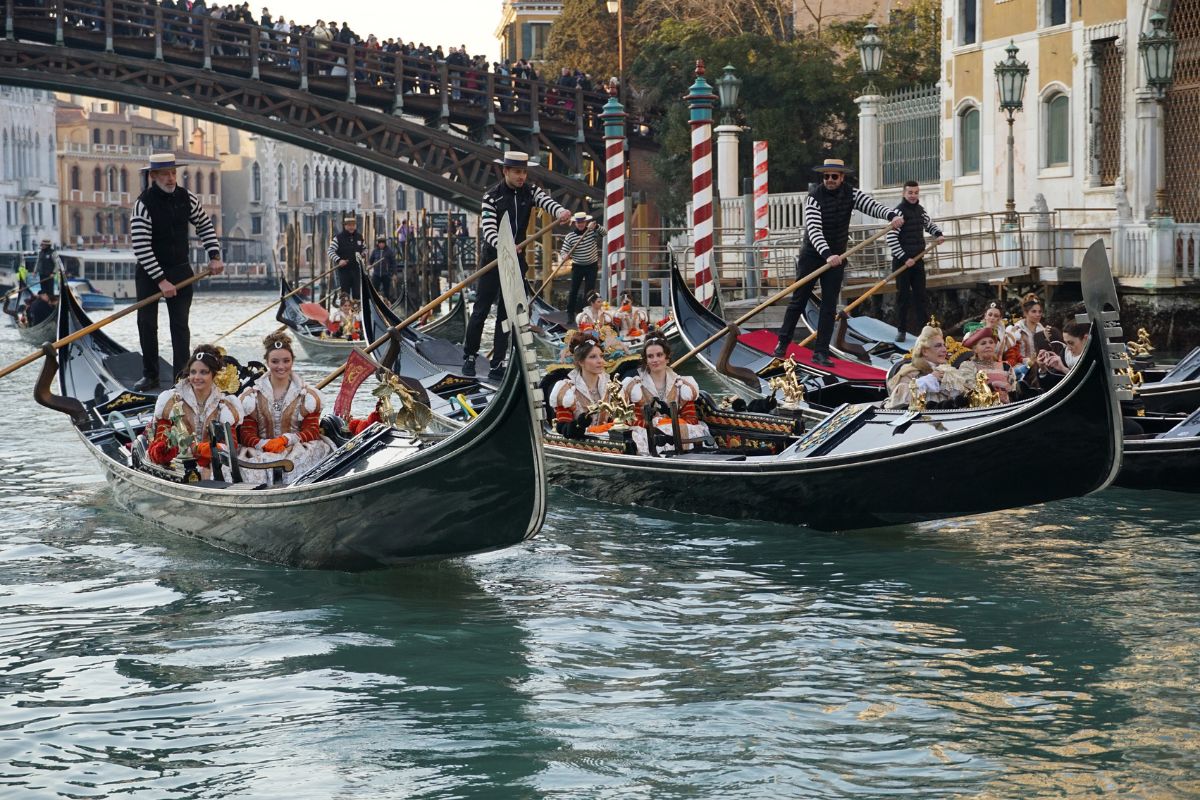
906	242
582	245
516	197
827	212
344	250
158	231
45	262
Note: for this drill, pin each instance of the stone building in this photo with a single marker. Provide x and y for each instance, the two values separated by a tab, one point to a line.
28	176
524	28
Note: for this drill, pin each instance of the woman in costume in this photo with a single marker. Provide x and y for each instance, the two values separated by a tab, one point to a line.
1023	343
657	385
281	417
584	387
593	316
993	317
984	359
630	320
927	373
344	322
198	402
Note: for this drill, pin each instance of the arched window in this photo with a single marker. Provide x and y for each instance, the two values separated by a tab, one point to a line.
346	183
123	139
256	183
186	182
328	192
77	224
968	138
280	183
99	229
75	178
108	136
125	223
97	180
354	182
212	183
95	136
307	186
401	199
337	186
1056	111
124	180
111	179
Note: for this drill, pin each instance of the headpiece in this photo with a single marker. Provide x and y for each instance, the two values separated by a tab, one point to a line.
581	216
978	336
515	158
592	297
208	359
161	161
833	165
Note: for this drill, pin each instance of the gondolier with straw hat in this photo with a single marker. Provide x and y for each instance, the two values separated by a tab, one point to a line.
344	250
158	231
516	197
827	211
583	246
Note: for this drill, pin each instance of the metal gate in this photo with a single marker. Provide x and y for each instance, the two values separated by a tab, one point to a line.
1183	115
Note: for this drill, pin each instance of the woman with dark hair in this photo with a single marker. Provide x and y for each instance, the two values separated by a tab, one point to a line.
583	388
1075	336
281	416
593	315
198	402
658	386
1023	342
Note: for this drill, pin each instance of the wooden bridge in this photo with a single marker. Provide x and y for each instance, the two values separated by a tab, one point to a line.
432	125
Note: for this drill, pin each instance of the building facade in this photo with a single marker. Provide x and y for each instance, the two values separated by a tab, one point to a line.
28	173
102	147
524	28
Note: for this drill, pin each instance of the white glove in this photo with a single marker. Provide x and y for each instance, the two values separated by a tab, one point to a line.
929	383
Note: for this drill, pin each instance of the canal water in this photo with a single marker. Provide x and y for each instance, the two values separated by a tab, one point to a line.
1051	651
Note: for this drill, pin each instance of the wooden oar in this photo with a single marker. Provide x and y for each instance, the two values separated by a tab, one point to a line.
879	285
275	304
95	326
562	263
420	312
809	278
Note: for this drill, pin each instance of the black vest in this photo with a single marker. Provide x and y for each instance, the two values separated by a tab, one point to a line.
348	246
836	208
517	203
912	232
169	219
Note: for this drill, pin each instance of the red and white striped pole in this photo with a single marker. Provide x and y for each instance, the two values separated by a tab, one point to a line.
761	198
613	117
700	99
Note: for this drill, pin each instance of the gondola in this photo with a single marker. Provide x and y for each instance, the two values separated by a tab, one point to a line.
1166	460
550	324
451	326
844	382
35	334
384	497
863	467
1173	391
313	337
861	338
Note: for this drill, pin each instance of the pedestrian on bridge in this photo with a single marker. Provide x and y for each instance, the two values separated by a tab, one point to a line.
345	248
906	242
158	231
827	211
516	197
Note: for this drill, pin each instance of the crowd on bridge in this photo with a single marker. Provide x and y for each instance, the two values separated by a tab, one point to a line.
323	48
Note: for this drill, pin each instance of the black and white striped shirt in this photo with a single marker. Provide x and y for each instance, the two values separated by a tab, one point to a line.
814	225
588	249
140	234
518	204
897	246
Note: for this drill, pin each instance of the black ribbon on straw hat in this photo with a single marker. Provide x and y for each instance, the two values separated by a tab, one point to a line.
515	158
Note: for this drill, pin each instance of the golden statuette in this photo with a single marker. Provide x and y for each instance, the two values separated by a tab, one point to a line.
613	407
228	380
790	389
982	395
404	411
1142	347
916	397
178	435
1135	377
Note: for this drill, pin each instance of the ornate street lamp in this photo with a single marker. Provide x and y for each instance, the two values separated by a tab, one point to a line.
1158	58
617	7
870	52
728	87
1010	80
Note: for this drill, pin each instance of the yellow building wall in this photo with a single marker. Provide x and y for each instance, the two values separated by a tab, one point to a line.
1004	20
968	75
1055	59
1096	12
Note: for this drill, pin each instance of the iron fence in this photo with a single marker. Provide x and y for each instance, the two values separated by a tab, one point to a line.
910	136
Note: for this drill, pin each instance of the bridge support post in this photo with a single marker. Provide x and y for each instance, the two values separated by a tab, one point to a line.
444	88
8	20
108	26
398	72
490	119
351	66
304	63
255	44
206	39
158	32
577	156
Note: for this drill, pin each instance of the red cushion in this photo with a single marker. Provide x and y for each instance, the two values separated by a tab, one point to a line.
765	340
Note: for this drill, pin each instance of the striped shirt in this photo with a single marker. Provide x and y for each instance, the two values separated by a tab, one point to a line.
893	236
588	249
139	234
500	200
814	227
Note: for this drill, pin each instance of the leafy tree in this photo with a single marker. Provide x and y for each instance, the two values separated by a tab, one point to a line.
911	39
790	97
584	36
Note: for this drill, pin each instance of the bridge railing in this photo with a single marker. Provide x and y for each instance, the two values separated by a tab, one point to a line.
395	82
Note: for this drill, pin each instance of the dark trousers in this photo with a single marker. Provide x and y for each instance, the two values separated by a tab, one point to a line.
348	280
910	292
178	309
487	293
582	276
831	287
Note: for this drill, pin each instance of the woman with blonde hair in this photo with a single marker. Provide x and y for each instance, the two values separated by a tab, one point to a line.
928	373
281	416
583	388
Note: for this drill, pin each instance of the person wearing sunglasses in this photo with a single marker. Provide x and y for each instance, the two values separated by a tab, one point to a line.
827	211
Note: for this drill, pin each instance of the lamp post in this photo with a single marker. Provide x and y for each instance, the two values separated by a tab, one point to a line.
728	86
618	7
870	53
1158	58
1010	80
